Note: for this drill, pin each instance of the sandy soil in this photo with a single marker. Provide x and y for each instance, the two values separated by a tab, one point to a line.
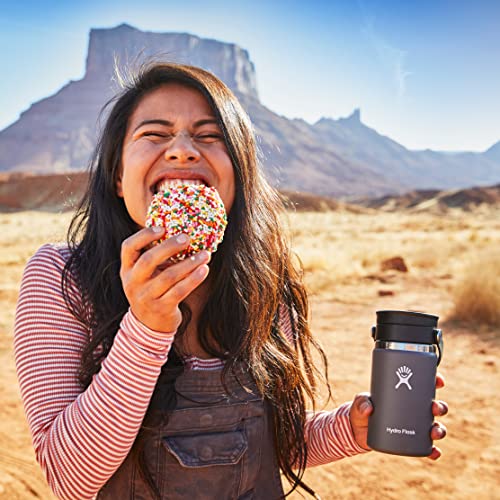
341	253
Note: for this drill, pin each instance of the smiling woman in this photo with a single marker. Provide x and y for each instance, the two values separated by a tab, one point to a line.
188	380
172	134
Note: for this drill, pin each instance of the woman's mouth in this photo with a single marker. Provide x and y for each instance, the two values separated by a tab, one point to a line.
165	184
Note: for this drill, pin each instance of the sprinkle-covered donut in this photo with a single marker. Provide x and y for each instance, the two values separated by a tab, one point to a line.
195	210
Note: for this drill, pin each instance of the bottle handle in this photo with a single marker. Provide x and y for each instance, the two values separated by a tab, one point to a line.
438	340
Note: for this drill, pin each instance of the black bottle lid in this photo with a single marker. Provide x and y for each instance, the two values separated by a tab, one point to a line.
405	326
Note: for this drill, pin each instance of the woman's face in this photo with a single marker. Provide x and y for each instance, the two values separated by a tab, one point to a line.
172	134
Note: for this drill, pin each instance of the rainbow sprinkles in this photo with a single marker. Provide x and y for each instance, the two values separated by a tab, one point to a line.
196	210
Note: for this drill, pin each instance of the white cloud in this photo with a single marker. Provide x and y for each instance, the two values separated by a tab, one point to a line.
392	58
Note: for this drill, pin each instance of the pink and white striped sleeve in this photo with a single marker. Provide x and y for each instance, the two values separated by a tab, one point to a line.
80	437
329	435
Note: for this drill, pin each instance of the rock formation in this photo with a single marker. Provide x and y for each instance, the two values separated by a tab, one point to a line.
127	46
494	152
59	132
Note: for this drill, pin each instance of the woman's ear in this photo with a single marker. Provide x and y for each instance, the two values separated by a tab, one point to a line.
119	189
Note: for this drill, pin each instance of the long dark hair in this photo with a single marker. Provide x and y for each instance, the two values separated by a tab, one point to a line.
253	272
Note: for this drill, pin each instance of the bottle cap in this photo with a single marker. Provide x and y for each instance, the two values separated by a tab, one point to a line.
405	326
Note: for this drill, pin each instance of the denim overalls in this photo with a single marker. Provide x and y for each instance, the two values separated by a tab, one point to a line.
214	446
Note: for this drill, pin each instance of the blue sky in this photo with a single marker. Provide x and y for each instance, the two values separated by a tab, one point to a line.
425	73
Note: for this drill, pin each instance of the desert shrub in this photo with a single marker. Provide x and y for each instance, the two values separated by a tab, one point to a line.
477	295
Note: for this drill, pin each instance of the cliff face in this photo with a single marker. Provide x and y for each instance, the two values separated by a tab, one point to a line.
127	45
58	133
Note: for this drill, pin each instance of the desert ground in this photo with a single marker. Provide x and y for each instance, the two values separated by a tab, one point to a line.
341	253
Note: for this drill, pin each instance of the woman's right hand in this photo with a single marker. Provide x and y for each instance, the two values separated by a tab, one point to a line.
154	294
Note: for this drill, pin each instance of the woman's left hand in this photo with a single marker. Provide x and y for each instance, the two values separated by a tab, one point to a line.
362	408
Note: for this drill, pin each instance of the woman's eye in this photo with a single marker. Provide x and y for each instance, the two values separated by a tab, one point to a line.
209	136
167	136
155	134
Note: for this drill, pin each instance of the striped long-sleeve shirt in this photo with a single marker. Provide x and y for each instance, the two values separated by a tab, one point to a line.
80	436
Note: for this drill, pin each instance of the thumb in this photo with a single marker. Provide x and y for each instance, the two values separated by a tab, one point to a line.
361	409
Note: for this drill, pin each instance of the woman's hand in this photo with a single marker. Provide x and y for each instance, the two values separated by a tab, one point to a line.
153	291
362	408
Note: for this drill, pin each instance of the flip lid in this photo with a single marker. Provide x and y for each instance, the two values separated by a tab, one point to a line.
405	326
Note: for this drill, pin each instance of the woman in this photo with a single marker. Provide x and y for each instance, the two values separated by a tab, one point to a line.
143	379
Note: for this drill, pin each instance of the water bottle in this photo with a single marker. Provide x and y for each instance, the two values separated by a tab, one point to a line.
408	348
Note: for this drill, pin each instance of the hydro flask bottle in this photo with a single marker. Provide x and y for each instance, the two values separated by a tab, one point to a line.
408	348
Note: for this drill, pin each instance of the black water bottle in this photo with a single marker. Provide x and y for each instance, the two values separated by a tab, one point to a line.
408	348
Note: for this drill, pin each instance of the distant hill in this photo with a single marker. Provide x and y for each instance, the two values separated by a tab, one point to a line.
493	153
437	201
307	202
341	158
49	192
62	192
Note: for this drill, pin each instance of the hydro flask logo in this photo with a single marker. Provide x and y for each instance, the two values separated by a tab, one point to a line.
404	374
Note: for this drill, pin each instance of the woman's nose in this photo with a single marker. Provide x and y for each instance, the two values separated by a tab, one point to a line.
181	149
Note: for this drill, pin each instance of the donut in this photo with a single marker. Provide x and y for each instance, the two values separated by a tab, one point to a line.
193	209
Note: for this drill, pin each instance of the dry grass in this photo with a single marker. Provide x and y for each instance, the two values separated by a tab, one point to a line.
477	296
22	233
336	248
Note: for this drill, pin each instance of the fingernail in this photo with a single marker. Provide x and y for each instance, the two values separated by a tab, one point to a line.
202	255
202	271
444	408
197	256
365	405
157	229
182	238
